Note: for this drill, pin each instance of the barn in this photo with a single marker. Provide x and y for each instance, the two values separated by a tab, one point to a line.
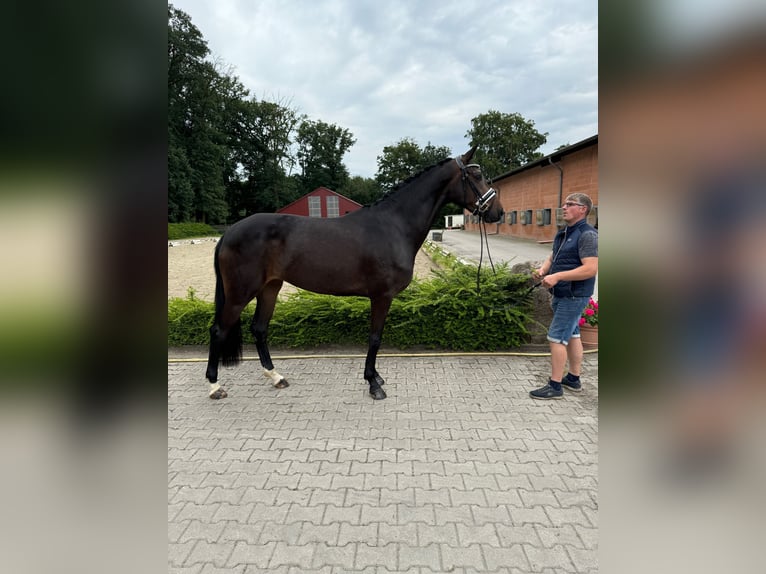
532	194
322	202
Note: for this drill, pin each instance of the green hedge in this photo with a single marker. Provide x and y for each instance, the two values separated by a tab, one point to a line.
445	312
184	230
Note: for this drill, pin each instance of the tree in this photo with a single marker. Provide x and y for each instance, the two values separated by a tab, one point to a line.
321	148
405	159
260	148
199	99
363	190
180	193
505	141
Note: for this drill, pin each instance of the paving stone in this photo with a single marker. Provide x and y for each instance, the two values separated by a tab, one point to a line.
292	554
236	531
342	557
324	533
477	534
216	553
411	556
496	558
444	534
555	557
368	556
198	530
179	551
439	477
359	534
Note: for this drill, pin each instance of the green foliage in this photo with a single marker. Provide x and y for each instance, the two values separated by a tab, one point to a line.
321	148
505	141
260	143
363	190
201	101
188	321
443	259
404	159
228	155
446	312
184	230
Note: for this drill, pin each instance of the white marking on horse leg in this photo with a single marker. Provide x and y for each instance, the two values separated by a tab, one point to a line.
213	388
274	376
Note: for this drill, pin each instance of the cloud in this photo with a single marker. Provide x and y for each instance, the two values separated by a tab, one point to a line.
422	70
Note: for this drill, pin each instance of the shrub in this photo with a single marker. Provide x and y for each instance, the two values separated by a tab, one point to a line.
445	312
185	230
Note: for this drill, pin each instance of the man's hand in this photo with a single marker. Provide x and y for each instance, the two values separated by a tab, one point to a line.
550	280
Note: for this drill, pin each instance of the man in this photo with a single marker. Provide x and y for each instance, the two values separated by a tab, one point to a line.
569	273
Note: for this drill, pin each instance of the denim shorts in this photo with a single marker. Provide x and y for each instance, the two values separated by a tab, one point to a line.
566	318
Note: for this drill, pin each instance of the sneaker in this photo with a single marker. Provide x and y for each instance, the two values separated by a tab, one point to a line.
575	386
545	393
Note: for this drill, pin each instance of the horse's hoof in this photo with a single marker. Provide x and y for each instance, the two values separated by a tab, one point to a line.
377	394
219	394
281	384
379	380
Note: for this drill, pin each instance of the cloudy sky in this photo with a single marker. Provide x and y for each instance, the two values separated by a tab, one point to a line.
422	69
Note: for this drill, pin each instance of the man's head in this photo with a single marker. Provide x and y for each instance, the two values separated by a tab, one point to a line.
576	206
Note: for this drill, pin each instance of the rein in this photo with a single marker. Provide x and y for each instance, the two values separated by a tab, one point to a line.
482	205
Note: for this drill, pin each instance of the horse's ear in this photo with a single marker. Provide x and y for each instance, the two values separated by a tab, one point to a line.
469	154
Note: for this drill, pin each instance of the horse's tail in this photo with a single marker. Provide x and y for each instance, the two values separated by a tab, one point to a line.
231	346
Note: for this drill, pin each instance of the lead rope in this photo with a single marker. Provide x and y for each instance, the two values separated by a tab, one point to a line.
483	238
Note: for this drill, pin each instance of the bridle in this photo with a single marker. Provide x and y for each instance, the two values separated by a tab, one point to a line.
482	201
482	204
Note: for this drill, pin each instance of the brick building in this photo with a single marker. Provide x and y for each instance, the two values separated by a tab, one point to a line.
321	202
532	194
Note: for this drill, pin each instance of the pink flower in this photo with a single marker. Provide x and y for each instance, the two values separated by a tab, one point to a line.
590	312
582	321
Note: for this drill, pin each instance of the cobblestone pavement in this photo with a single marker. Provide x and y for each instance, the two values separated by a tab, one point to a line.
458	470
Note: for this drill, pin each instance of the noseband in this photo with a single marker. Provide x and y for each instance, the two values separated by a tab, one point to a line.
482	201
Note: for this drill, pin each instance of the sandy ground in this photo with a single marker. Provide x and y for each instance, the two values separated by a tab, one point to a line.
190	264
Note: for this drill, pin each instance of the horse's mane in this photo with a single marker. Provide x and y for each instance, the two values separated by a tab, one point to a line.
391	194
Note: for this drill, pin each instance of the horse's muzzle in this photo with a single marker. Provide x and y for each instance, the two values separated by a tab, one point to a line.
489	217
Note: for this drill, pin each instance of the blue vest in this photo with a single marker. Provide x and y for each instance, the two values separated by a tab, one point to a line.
566	256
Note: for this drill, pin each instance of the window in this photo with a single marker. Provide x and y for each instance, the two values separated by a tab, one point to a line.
332	206
546	216
513	217
315	206
528	218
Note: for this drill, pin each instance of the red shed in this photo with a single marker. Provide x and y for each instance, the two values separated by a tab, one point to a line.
321	202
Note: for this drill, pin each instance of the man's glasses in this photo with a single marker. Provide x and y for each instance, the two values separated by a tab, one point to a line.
572	204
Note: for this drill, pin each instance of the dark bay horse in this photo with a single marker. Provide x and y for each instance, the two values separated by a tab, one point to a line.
369	252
